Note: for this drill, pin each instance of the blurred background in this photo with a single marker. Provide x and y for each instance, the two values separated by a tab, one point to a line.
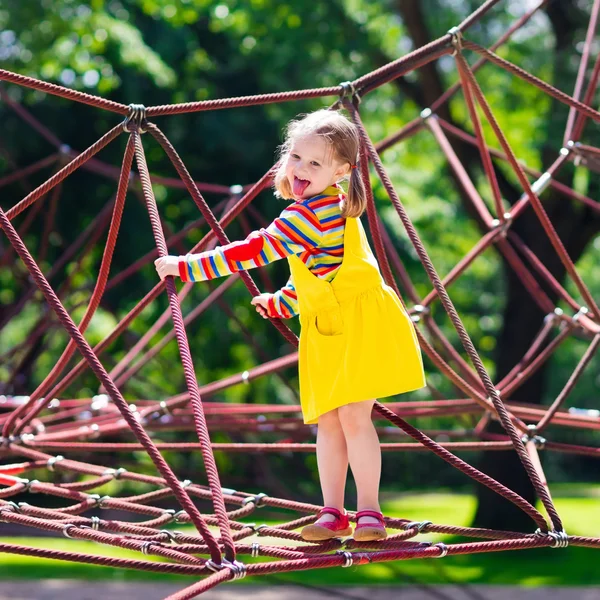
158	52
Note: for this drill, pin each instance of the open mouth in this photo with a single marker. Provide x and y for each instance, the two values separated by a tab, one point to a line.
299	186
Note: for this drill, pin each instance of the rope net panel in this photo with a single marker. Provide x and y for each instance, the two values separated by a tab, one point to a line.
46	432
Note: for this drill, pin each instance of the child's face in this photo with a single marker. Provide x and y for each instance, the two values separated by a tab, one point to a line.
311	166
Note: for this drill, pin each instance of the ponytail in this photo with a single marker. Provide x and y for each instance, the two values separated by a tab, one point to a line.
356	198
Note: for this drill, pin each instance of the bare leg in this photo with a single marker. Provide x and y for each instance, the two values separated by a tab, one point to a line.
364	454
332	460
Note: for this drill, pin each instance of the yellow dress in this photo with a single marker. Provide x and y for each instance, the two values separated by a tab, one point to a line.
356	342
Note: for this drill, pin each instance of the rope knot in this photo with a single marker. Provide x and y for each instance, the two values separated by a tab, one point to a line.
136	117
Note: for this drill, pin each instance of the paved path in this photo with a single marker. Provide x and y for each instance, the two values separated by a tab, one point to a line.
55	589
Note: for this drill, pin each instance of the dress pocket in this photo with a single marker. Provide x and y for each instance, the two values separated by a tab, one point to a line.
329	323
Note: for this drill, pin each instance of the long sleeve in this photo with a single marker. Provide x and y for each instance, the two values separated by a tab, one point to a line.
284	303
297	229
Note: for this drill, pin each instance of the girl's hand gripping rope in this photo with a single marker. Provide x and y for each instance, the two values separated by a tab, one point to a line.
167	265
261	303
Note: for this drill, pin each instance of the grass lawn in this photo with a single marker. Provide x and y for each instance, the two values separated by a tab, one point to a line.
578	507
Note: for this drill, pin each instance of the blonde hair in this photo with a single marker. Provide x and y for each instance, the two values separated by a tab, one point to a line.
342	137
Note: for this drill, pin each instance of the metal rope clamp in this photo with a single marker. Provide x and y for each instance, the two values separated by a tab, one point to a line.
257	529
349	91
171	535
256	500
502	225
349	559
52	461
98	500
583	310
137	117
456	39
237	568
146	546
420	525
532	436
68	526
10	505
561	539
27	483
175	516
419	310
115	474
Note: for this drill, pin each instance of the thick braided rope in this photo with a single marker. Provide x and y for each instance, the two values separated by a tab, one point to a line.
126	373
259	99
592	86
381	255
91	235
463	466
256	447
542	271
186	356
57	90
484	152
384	263
376	234
138	347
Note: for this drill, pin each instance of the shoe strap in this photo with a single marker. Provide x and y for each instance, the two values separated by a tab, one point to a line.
370	513
328	510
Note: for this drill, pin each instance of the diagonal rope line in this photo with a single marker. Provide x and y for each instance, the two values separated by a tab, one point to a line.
186	356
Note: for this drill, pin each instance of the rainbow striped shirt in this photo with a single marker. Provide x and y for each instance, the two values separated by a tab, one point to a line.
313	229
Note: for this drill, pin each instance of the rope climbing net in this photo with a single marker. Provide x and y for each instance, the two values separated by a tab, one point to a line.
36	427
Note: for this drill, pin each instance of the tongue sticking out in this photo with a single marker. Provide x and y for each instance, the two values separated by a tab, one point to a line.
300	186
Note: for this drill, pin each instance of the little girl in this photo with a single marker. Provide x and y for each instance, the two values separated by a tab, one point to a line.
356	343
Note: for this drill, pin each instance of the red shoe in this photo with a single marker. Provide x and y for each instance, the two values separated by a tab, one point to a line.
369	532
329	530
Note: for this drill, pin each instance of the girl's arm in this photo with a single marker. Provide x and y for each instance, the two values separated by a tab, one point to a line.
284	303
297	229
